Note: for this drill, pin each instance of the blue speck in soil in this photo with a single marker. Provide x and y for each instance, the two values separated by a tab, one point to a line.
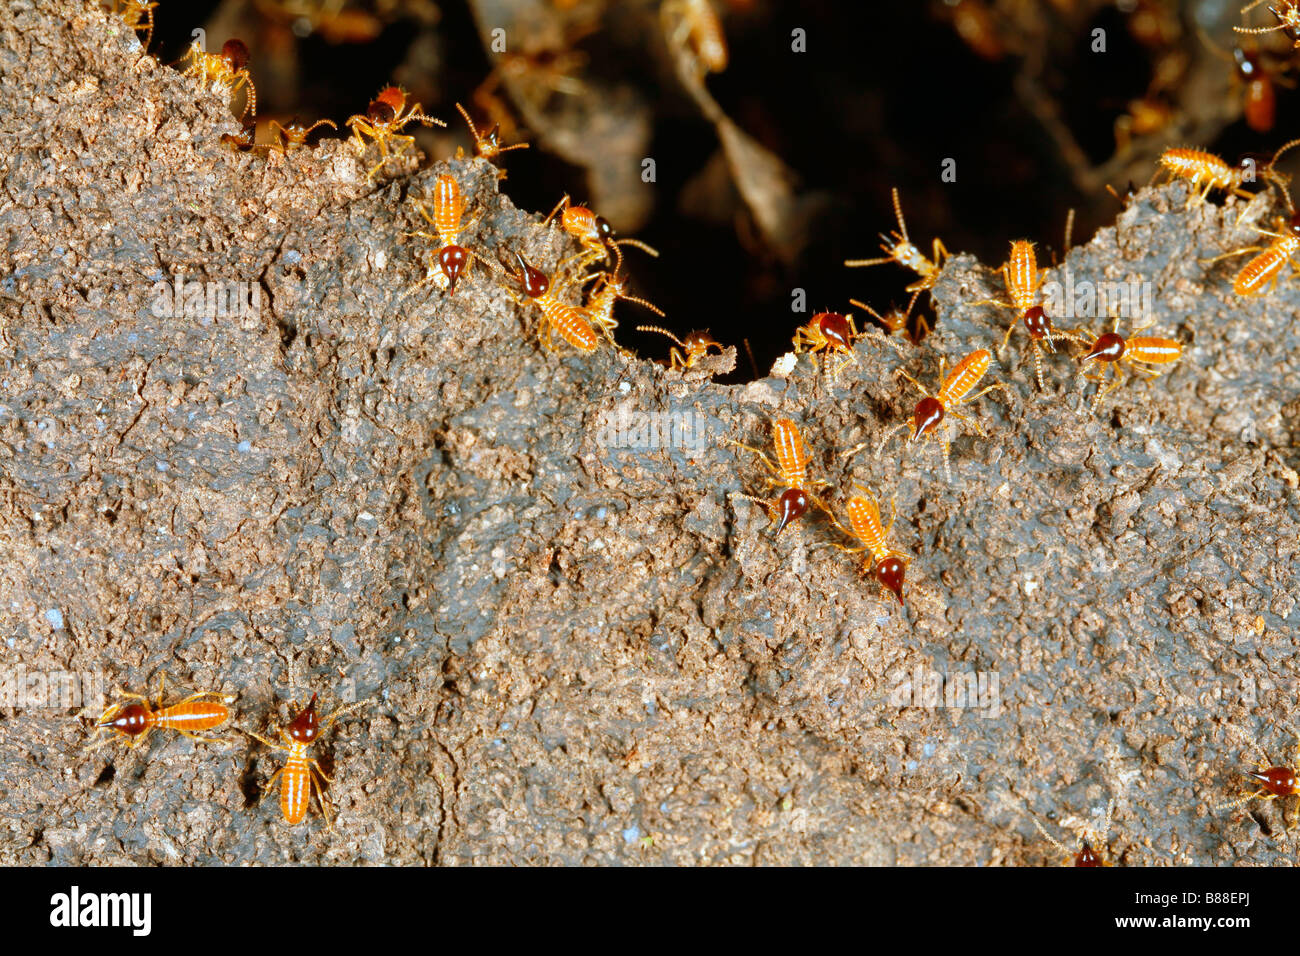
631	834
928	750
161	465
55	617
245	445
911	765
133	337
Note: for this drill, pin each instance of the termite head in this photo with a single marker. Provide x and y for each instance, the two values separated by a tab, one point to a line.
889	572
699	342
1279	781
453	260
604	231
791	505
1038	323
928	415
1108	348
304	728
1087	856
534	281
235	53
131	720
835	327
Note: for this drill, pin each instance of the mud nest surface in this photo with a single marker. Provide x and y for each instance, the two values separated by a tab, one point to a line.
577	650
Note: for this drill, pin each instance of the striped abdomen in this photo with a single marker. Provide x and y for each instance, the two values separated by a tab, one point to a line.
791	455
1200	167
864	520
572	323
192	716
295	784
1021	275
965	375
1152	349
1264	268
448	208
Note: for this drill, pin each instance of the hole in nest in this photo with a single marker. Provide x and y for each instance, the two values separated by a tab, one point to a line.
106	776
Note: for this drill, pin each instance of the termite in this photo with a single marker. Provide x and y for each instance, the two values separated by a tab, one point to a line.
447	223
1084	853
298	776
1264	270
384	119
692	349
897	320
697	29
1287	13
887	565
1271	780
138	16
295	134
1259	101
487	145
955	390
1023	279
594	233
1203	169
899	248
227	69
134	720
572	323
1140	351
828	332
600	305
789	471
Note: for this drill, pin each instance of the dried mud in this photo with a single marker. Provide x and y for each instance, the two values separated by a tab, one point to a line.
579	652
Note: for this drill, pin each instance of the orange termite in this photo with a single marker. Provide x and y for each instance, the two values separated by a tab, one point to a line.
594	233
828	332
1203	169
1085	854
789	471
228	69
447	222
1287	13
692	349
1140	351
295	133
887	565
384	120
954	390
699	29
572	323
487	145
138	16
899	248
1023	278
600	305
134	720
298	776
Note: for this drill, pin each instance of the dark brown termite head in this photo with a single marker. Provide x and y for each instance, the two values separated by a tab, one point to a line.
235	53
926	418
304	728
604	230
835	327
1108	348
889	572
1038	323
380	113
1087	856
699	342
452	259
1279	781
791	506
1247	63
132	720
535	281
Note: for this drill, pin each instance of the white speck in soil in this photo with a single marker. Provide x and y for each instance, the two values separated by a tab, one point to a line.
55	617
